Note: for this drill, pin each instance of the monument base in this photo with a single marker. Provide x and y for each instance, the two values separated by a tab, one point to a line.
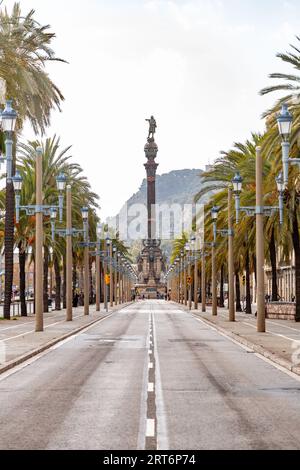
148	291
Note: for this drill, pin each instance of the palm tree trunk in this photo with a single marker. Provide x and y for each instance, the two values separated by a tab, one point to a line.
22	281
9	247
238	306
296	243
272	249
45	280
74	274
222	287
57	282
248	293
91	282
65	282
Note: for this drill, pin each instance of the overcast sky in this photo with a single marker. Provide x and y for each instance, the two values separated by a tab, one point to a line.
196	65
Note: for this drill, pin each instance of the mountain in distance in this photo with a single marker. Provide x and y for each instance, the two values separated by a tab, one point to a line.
174	187
177	186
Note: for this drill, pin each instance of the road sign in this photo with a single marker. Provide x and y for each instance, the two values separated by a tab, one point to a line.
189	280
107	279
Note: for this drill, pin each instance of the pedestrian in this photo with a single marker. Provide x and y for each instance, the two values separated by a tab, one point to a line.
75	299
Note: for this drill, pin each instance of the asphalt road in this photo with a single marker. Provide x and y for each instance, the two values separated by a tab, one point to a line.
149	376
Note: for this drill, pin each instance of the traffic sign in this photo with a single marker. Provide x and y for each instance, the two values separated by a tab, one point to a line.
189	280
107	279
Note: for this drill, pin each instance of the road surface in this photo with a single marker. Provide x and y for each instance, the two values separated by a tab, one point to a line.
149	376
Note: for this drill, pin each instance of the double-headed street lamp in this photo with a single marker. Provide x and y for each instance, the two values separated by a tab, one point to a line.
259	211
284	121
39	210
68	233
226	233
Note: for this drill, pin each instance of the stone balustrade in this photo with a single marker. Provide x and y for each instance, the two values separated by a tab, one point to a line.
281	310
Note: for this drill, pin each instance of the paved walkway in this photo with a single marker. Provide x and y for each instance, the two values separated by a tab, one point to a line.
19	341
280	343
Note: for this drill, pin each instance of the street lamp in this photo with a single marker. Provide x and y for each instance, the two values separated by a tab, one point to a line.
85	215
188	250
259	211
237	183
284	121
227	233
115	258
106	256
8	120
61	184
38	209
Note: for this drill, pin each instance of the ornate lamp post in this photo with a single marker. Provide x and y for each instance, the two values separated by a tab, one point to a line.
115	262
85	215
9	118
214	214
39	210
68	233
227	233
259	211
107	249
188	251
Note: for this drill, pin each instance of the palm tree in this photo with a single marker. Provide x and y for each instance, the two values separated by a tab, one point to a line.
24	51
291	83
55	161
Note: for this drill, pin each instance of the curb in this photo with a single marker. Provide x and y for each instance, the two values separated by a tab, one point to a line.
34	352
254	347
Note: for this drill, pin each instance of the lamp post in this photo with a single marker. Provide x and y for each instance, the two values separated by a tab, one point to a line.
98	268
106	256
259	211
214	214
115	273
184	278
284	121
39	210
230	261
229	233
111	288
85	215
119	277
195	258
9	118
69	256
203	282
188	251
177	260
68	233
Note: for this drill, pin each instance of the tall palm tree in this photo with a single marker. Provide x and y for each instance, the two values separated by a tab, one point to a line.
291	83
24	51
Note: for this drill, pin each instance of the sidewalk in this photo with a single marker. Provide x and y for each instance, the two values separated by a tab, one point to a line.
19	341
280	343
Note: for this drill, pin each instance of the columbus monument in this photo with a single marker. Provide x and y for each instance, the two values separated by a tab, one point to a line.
150	261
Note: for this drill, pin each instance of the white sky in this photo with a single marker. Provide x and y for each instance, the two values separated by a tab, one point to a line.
196	65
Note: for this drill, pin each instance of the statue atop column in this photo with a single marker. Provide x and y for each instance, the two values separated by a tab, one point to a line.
152	127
